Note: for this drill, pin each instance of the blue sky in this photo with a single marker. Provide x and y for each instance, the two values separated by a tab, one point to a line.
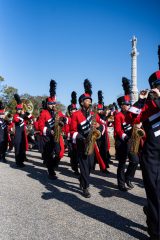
70	40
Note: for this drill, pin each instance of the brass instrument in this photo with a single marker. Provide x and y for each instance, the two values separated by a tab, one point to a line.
30	129
57	127
151	93
93	135
27	105
137	134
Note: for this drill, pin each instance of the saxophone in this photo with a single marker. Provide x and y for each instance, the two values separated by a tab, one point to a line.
57	127
93	135
137	134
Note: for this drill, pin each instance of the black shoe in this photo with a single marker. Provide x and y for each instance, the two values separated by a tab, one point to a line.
86	193
52	175
4	160
122	188
129	184
20	165
106	171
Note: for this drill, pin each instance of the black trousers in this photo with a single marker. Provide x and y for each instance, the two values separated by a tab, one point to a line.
122	153
86	164
51	152
3	149
73	155
150	165
20	151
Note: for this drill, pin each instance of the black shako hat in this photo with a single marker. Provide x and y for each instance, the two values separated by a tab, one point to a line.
88	92
73	106
154	79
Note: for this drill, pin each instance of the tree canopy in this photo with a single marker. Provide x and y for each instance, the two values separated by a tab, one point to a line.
7	96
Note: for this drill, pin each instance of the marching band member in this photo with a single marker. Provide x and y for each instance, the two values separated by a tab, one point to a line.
122	133
36	133
83	122
3	133
30	134
11	131
50	124
21	142
72	151
147	111
103	142
39	134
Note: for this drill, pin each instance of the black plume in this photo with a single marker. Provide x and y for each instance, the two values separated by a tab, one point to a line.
1	105
17	98
52	90
115	106
100	97
88	87
44	104
126	86
74	97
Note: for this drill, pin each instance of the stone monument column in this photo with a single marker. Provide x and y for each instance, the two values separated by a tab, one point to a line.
134	54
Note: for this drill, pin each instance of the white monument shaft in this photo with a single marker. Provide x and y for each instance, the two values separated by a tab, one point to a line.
134	54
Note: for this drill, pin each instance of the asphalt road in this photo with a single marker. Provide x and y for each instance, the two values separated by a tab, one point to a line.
32	207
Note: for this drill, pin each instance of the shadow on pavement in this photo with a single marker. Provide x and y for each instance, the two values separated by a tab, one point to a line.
107	189
103	215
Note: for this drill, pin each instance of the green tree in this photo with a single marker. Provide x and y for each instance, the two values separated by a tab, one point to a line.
61	107
1	79
7	96
8	93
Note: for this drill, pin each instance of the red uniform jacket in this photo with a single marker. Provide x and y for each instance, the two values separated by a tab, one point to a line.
121	128
66	128
80	124
20	124
149	115
10	126
46	123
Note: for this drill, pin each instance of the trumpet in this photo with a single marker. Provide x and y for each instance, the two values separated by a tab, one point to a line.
151	93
